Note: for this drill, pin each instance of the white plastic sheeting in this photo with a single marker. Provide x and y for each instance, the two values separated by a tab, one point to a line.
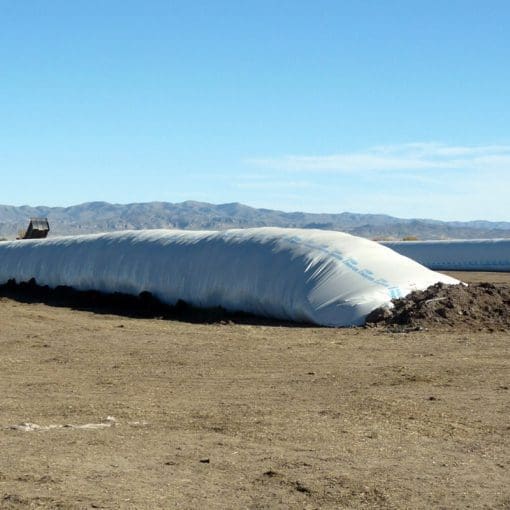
327	278
460	255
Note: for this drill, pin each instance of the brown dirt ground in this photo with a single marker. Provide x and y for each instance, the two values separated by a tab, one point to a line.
240	415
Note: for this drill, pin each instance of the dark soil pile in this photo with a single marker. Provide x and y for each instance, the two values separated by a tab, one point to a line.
481	306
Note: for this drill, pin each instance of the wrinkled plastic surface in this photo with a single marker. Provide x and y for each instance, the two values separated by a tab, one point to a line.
322	277
459	255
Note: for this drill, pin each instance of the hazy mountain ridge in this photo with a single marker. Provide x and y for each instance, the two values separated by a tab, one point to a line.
103	216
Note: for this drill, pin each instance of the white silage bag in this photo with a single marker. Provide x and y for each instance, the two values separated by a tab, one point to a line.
323	277
458	254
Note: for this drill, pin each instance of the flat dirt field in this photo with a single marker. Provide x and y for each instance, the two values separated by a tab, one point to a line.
107	411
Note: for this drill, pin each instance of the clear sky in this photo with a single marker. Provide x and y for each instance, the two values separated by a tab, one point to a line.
397	107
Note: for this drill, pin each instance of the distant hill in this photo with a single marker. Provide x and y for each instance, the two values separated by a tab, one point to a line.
102	216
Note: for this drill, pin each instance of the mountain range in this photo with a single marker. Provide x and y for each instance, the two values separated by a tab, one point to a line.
93	217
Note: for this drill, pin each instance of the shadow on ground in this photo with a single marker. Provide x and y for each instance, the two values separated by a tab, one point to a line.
143	306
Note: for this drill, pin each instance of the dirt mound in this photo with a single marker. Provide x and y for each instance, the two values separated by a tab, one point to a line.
481	306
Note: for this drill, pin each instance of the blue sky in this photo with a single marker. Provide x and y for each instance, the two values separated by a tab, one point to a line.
397	107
